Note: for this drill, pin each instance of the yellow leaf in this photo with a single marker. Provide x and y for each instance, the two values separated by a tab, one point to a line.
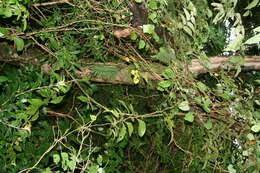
136	78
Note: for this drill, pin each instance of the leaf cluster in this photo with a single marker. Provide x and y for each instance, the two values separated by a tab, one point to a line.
52	120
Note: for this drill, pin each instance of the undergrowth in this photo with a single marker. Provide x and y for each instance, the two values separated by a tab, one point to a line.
55	120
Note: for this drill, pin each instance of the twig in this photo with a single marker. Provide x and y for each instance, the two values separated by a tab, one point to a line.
55	142
91	99
42	87
183	150
43	47
63	28
41	13
18	128
52	3
54	30
58	114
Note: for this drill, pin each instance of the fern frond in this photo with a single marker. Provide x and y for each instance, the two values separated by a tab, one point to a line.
105	72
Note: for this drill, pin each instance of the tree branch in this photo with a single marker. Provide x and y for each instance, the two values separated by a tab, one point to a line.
52	3
123	71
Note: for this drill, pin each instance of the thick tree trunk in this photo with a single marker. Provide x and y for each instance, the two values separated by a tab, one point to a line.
220	62
122	73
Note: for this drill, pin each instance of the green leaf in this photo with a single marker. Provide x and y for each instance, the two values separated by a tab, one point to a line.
35	116
191	26
257	102
141	44
115	113
209	13
54	43
21	115
257	81
83	99
153	17
139	1
184	106
231	169
169	74
206	108
198	100
235	44
71	164
165	84
160	89
206	104
148	29
257	29
187	14
8	13
156	37
256	114
237	60
64	161
250	136
57	100
202	87
36	102
17	148
191	7
47	170
130	128
122	133
253	40
133	36
116	16
189	117
46	92
252	4
166	55
141	128
3	32
152	4
19	43
100	160
3	79
187	30
56	158
256	128
219	16
93	169
93	117
208	125
247	13
64	156
245	153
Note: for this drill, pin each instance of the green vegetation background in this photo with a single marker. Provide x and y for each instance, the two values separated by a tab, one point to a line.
53	120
